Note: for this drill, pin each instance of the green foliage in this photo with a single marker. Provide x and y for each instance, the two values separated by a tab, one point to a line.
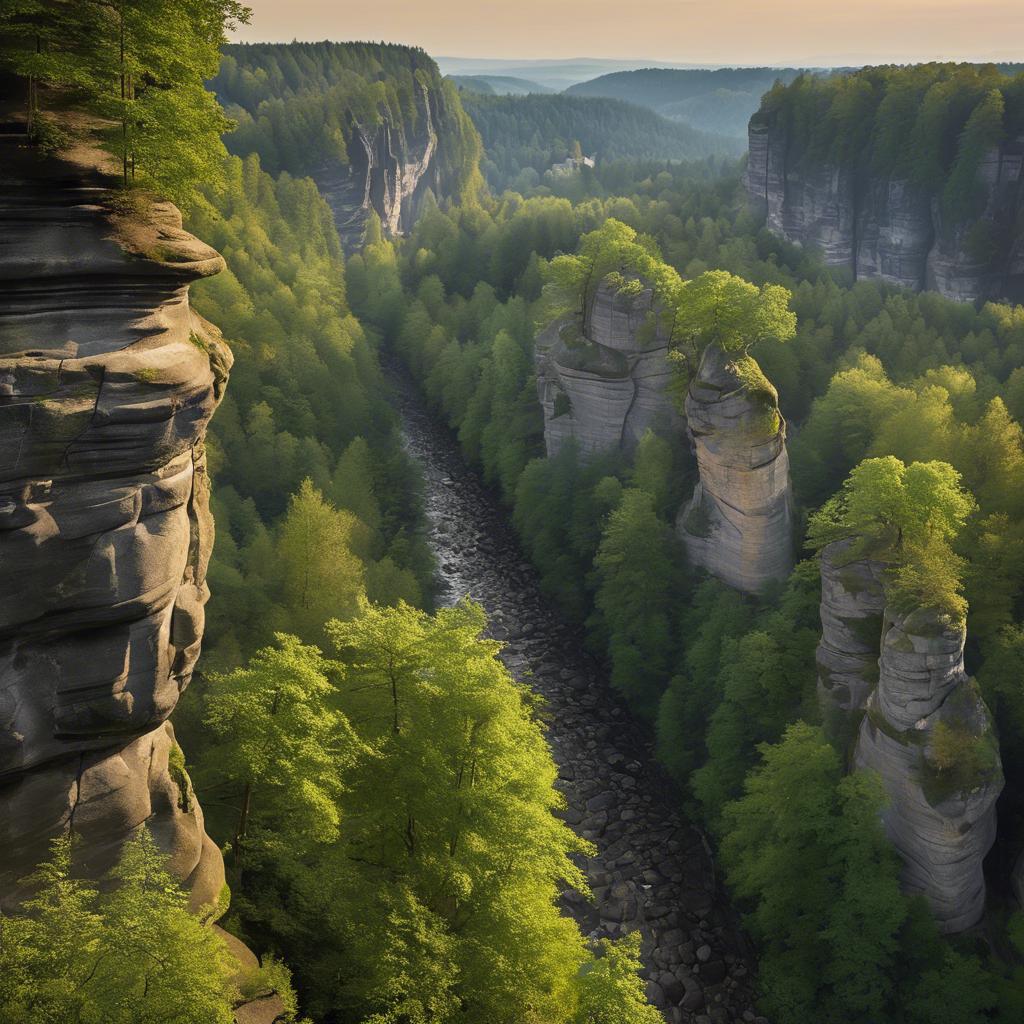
524	136
638	582
140	67
131	953
610	991
299	105
282	745
306	400
908	517
436	898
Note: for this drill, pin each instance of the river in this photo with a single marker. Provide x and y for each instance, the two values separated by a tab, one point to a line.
653	870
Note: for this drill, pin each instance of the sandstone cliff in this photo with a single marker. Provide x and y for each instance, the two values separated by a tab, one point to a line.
107	382
604	385
928	734
852	607
391	169
738	524
882	226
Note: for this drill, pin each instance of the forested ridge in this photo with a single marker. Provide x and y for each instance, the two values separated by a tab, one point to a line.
298	105
524	136
380	784
931	124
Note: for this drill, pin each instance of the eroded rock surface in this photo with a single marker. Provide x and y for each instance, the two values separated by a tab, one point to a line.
738	524
391	168
888	228
107	382
852	608
928	734
604	385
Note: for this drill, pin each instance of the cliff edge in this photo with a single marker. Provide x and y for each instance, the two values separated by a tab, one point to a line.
108	380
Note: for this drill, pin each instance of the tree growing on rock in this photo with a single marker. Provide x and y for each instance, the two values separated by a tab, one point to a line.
907	517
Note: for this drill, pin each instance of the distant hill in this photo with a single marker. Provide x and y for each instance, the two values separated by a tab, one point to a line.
499	85
719	101
555	74
531	133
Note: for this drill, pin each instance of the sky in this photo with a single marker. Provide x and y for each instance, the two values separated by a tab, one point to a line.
774	32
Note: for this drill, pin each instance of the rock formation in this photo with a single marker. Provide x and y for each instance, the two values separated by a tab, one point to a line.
886	227
107	382
391	168
606	384
852	608
928	734
738	524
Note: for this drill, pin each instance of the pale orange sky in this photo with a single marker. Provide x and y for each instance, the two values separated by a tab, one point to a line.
801	32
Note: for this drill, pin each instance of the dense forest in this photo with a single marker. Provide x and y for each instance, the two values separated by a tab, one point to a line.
524	136
870	372
930	124
719	101
379	782
299	105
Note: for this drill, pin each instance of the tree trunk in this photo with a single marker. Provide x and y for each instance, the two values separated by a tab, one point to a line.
243	823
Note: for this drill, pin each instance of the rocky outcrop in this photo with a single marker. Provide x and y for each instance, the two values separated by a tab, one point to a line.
885	227
852	608
107	382
929	735
604	385
738	524
391	169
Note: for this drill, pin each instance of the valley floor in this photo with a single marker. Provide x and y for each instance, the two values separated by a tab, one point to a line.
653	870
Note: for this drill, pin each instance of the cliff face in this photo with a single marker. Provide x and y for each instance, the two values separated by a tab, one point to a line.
107	382
605	386
888	228
738	524
928	734
852	607
391	168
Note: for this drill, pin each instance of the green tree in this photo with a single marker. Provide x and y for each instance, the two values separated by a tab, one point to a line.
282	745
637	566
449	820
906	516
321	574
610	990
129	954
804	846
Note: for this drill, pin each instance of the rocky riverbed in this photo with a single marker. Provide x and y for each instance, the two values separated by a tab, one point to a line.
653	870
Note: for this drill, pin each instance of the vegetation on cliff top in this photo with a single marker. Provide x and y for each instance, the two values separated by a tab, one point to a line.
138	68
303	106
930	124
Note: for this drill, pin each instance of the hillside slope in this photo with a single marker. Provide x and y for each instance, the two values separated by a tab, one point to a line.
719	100
535	132
375	125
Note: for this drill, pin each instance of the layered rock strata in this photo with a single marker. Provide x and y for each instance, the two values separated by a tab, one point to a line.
852	609
107	382
604	384
888	228
928	734
738	524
